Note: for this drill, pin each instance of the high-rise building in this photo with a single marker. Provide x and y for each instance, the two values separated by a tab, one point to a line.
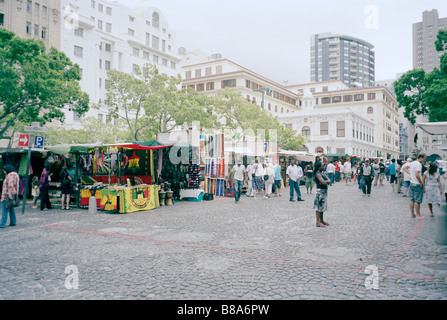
29	19
425	34
340	57
101	35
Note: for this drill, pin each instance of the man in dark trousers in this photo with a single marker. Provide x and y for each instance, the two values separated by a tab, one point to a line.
44	185
367	174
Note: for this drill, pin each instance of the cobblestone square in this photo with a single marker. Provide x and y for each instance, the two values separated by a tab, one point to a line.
257	249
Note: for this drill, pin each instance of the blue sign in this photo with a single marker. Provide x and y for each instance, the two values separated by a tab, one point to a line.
38	142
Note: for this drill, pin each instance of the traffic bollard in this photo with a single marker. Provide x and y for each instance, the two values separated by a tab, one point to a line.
441	226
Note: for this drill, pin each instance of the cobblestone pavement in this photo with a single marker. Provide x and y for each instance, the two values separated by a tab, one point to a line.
256	249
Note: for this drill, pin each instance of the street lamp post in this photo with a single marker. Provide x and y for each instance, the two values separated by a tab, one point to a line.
263	90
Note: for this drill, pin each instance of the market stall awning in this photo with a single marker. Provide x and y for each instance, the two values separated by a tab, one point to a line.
433	128
141	145
70	148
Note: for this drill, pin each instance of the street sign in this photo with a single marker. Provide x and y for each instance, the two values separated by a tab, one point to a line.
35	129
38	142
23	140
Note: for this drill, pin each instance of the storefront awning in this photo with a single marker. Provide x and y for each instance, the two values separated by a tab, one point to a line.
141	145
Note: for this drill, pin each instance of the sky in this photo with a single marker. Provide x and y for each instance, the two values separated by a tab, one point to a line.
272	38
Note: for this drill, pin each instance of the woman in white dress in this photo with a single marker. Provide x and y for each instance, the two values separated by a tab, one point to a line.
432	186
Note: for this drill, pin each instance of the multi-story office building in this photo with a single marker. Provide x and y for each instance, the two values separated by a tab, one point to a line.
29	19
215	73
102	35
340	57
376	111
425	34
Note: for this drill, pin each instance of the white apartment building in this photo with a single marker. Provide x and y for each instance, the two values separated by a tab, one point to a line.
102	35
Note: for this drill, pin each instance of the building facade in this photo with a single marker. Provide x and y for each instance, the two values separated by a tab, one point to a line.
425	34
340	57
29	19
102	35
213	74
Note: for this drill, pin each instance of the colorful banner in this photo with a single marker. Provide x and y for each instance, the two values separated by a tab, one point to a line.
214	168
219	187
221	168
138	198
85	197
109	200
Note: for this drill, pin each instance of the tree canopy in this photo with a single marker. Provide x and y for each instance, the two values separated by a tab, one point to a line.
422	93
35	84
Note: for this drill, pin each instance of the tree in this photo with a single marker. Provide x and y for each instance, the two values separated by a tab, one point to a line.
152	103
237	114
422	93
35	85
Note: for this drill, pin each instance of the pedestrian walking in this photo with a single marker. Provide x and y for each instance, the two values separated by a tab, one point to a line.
270	180
237	175
376	172
308	171
347	171
392	170
277	183
44	186
250	172
367	173
294	174
406	176
258	179
10	191
416	185
35	192
381	172
67	176
357	174
432	186
337	171
320	202
398	176
330	170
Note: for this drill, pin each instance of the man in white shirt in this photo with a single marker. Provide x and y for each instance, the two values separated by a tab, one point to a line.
330	169
294	174
347	171
238	175
406	176
416	185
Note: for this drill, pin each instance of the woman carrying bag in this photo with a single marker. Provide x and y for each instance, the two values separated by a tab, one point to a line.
10	196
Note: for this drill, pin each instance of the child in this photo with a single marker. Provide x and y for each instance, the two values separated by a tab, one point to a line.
35	192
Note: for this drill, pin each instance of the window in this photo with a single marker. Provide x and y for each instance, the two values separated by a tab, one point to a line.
79	32
100	82
347	98
109	11
155	42
359	97
36	30
336	99
208	71
146	55
172	64
198	73
148	36
108	27
136	52
306	132
44	32
28	27
188	75
78	51
155	20
218	69
325	100
164	62
100	7
36	8
200	87
100	64
210	86
100	24
155	59
107	65
93	4
130	32
324	128
108	47
229	83
131	19
163	45
340	128
29	5
370	110
135	68
44	11
247	83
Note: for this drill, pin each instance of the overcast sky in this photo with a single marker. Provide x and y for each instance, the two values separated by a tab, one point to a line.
272	38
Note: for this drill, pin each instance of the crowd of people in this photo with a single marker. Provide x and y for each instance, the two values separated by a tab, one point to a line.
412	178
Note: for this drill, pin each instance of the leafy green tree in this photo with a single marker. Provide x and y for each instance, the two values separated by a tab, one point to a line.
35	84
422	93
241	116
152	103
